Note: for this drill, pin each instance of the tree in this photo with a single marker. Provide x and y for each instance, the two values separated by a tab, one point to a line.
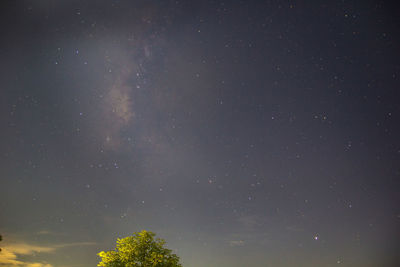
139	250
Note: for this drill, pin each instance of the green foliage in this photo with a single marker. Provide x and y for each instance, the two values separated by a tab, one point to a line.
139	250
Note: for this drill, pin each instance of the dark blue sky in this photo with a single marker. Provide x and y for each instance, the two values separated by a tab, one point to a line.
245	133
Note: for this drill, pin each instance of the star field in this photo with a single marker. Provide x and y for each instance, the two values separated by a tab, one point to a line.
244	133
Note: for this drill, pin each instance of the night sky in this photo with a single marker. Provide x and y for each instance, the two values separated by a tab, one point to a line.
244	133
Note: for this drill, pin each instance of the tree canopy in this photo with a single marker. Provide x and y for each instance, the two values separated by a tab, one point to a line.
139	250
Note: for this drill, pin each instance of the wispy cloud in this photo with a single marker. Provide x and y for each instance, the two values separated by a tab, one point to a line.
10	253
250	221
294	228
236	243
47	232
76	244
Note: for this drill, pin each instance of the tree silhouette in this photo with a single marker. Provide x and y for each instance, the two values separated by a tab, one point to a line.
142	250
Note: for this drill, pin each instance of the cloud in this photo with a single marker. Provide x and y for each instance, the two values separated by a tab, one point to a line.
249	221
77	244
46	232
36	264
294	228
236	243
10	253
